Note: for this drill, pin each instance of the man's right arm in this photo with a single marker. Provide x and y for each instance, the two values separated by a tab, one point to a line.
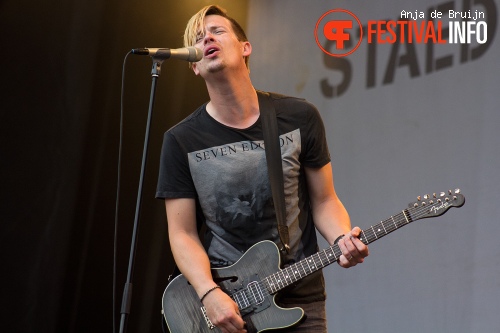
193	262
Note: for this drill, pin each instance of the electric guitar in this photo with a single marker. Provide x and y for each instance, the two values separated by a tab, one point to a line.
254	280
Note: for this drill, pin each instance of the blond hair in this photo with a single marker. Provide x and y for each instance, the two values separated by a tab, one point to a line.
195	26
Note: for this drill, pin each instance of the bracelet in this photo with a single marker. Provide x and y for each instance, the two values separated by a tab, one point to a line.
338	238
208	292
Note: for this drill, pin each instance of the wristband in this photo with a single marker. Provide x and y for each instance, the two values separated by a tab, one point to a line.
338	238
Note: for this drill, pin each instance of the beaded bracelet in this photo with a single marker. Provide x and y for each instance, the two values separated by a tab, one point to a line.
208	292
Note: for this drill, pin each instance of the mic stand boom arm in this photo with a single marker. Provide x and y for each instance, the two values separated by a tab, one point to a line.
127	291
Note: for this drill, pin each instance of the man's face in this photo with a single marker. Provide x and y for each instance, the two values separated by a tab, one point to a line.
221	48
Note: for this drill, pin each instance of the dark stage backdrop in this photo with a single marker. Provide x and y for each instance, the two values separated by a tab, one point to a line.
61	67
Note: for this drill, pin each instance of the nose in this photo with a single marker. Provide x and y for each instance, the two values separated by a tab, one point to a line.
208	37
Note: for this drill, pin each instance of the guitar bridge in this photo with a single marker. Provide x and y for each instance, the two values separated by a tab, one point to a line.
207	320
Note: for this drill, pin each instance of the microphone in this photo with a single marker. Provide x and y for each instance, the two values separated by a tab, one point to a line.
191	54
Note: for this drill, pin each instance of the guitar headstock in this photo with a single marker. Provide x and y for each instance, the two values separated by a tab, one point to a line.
436	204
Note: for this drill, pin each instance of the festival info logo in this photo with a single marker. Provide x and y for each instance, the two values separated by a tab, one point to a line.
338	29
336	25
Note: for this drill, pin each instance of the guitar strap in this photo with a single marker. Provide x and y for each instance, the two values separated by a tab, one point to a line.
274	166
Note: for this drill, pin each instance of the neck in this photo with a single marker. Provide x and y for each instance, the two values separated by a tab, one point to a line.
233	101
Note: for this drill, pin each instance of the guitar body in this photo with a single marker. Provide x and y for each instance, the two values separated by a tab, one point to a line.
182	307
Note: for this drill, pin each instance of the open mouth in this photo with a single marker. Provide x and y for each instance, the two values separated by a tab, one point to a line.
210	51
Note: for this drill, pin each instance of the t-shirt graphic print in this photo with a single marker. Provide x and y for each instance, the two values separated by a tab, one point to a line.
234	192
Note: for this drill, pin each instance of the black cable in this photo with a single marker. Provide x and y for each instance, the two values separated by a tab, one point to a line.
117	200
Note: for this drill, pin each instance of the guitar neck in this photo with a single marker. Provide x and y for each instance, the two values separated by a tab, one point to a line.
317	261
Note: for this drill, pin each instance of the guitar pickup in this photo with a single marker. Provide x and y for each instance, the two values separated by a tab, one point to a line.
251	296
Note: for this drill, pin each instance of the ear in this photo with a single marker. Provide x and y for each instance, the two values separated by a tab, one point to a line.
195	68
247	49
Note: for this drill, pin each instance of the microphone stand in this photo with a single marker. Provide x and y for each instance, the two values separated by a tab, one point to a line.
127	292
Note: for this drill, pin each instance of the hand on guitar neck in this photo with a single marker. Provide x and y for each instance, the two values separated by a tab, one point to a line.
354	251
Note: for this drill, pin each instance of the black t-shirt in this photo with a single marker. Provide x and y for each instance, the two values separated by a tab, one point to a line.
225	170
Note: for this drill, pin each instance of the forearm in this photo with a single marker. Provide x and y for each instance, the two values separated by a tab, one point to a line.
188	252
192	261
331	219
330	216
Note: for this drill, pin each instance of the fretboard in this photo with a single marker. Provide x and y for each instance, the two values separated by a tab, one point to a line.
293	273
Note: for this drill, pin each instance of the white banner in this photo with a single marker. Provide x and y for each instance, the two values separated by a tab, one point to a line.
408	113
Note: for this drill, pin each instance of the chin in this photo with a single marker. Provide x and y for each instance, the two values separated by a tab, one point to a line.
215	69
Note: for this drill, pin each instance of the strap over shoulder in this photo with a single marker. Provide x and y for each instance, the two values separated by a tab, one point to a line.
274	165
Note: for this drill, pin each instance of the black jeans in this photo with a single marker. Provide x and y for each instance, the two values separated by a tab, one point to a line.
315	321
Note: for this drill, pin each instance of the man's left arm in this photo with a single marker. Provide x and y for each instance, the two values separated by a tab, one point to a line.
331	218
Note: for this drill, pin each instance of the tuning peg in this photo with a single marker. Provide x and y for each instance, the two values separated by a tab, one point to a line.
442	194
434	195
457	191
419	198
449	191
426	196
